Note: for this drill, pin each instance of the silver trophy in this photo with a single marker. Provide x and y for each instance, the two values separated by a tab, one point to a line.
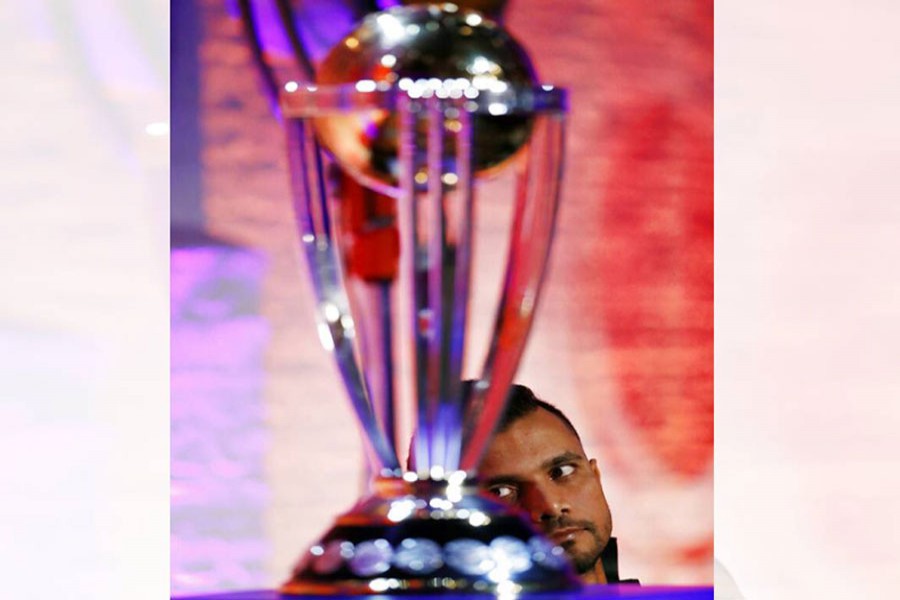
407	114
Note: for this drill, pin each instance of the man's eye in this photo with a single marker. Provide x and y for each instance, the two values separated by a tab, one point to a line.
562	471
504	492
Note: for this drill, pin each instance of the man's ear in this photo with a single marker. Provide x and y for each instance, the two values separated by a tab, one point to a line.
594	468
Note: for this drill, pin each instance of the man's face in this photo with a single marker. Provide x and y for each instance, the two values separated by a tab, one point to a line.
539	465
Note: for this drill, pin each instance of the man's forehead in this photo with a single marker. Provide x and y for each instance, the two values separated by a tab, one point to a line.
531	442
540	422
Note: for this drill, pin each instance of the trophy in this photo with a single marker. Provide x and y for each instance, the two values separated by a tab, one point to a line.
406	116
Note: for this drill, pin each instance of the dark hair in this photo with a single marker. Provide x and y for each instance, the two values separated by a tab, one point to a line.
521	402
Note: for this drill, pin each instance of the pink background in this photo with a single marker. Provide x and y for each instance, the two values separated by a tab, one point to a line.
806	313
623	337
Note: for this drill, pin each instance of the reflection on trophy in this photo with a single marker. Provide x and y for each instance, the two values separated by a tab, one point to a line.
407	114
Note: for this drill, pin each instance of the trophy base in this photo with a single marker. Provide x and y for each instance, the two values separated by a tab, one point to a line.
431	536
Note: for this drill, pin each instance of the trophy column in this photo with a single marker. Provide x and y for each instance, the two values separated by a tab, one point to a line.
385	170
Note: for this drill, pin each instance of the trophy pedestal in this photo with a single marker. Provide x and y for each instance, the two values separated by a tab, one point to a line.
424	536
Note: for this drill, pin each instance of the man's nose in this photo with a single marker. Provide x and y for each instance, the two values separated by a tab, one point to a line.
543	503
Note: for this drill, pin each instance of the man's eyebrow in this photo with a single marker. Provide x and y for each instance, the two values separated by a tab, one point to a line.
561	459
503	479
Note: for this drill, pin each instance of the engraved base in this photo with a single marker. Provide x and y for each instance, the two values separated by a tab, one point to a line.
422	536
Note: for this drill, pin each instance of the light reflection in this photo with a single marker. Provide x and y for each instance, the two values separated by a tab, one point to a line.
440	503
454	488
498	87
483	66
483	82
457	477
497	108
401	509
527	303
347	549
478	518
330	312
391	27
508	590
325	336
449	88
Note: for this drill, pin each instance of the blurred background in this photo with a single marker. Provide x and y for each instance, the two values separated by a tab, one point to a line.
265	451
84	224
807	478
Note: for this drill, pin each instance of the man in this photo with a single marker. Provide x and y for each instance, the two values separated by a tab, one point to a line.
537	463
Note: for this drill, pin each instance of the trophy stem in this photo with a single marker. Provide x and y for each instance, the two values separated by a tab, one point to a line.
429	530
454	350
439	264
388	413
537	201
337	329
437	224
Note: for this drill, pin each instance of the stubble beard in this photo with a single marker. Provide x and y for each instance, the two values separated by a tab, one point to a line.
585	560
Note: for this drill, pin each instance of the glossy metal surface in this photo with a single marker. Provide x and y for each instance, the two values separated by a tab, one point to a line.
492	8
412	535
453	427
587	593
337	329
433	221
422	47
289	38
437	96
534	220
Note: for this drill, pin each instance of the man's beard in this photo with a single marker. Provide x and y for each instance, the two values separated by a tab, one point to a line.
586	560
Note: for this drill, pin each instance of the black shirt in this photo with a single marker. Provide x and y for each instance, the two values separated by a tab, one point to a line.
610	559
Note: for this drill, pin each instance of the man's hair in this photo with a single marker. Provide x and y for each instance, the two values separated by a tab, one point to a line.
521	402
